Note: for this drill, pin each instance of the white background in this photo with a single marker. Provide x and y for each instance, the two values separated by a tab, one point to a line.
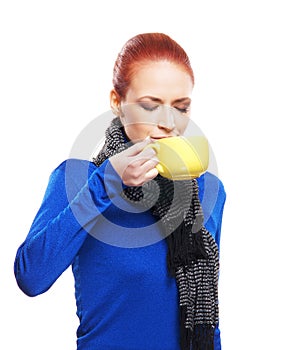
55	76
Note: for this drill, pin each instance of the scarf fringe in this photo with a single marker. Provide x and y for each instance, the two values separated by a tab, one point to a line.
201	338
184	248
185	333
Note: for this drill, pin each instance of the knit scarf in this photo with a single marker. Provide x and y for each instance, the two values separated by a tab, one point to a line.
192	257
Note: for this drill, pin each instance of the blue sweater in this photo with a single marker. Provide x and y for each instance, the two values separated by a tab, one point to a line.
125	298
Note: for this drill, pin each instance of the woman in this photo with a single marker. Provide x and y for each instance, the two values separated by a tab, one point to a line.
145	261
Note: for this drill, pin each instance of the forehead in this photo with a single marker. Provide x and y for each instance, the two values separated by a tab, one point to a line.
160	79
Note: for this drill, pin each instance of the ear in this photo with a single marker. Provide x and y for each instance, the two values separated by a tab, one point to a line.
115	103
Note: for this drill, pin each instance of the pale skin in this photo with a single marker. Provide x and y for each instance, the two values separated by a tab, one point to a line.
157	105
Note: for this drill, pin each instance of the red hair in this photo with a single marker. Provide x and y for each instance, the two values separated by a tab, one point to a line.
144	48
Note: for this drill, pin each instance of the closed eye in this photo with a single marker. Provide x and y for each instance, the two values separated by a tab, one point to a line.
183	109
149	106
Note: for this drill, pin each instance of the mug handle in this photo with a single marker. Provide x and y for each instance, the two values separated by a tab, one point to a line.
153	145
156	148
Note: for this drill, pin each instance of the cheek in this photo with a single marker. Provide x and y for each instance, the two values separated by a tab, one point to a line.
182	124
137	119
130	113
138	129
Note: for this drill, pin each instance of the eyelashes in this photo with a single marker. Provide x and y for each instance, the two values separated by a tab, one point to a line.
150	107
183	110
147	106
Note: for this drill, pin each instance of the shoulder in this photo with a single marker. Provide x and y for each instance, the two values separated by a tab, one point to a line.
73	174
75	164
211	191
212	196
208	181
70	173
73	169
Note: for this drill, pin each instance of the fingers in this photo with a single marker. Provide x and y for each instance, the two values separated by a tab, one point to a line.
136	165
141	158
150	175
138	147
146	163
139	171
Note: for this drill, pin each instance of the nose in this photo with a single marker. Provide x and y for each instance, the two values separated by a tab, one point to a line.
167	119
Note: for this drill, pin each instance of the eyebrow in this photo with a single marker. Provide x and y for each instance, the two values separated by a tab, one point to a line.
156	99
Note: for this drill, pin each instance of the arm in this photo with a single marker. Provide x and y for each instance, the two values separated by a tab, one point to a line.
74	199
77	193
212	197
219	214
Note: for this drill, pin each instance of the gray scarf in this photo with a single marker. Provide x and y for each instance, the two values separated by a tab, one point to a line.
193	258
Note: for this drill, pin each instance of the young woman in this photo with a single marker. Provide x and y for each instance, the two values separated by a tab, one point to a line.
144	258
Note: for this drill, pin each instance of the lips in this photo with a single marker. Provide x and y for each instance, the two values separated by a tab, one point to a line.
161	137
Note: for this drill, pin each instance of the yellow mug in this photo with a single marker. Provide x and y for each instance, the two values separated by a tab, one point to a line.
182	158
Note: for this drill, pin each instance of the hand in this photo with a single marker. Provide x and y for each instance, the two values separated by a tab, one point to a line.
136	165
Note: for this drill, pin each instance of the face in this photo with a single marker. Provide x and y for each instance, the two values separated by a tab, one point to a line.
157	103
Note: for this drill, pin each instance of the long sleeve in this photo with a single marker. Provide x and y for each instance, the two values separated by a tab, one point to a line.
212	196
74	199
